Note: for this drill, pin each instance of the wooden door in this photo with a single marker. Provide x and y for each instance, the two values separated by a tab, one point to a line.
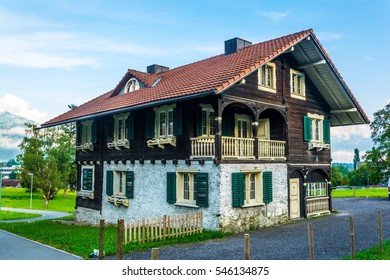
294	199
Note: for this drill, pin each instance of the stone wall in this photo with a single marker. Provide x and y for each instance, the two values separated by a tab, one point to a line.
244	218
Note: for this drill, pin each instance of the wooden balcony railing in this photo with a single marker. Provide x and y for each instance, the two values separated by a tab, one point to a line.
317	206
272	149
233	147
203	146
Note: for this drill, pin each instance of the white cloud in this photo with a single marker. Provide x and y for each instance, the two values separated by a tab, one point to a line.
20	107
8	143
275	16
327	36
344	156
14	131
347	132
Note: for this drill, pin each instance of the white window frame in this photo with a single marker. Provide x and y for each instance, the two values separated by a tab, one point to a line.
120	139
132	85
258	190
294	76
209	127
180	199
158	111
243	118
86	136
117	177
316	189
84	193
317	126
267	77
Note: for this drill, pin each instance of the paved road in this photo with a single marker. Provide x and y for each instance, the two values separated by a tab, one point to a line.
290	242
13	247
45	215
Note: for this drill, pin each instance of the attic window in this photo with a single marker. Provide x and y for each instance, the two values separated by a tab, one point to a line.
132	85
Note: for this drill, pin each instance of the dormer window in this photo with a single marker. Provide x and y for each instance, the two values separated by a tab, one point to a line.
267	77
132	85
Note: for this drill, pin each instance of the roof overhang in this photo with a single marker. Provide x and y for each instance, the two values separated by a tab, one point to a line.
316	64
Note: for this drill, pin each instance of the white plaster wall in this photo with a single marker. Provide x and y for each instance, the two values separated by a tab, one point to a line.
238	218
150	188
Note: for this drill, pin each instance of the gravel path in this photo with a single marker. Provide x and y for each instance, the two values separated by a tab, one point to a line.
290	242
45	215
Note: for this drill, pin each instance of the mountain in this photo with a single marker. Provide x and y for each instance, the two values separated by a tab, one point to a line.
12	131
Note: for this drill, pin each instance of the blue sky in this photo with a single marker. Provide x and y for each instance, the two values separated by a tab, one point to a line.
55	53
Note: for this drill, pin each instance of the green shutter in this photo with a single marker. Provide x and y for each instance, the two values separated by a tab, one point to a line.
79	131
87	179
171	187
228	124
93	132
202	189
177	121
149	123
267	186
326	127
130	184
130	127
307	129
109	182
110	129
238	189
199	121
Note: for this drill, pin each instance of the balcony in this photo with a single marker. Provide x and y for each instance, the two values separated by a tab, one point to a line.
237	148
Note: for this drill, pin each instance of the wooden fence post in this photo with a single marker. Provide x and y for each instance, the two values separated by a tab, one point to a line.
352	233
380	230
155	253
101	240
247	252
311	242
119	244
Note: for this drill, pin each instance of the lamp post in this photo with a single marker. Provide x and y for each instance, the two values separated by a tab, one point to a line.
1	180
31	188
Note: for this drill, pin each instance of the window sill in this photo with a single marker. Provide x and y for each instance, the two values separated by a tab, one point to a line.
118	200
119	144
298	96
186	205
267	89
253	205
161	142
85	194
319	146
85	147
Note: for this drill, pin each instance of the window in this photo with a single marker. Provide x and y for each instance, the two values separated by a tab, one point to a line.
85	135
205	125
163	124
243	126
251	188
317	131
297	85
87	179
132	85
267	77
187	188
119	186
316	189
122	131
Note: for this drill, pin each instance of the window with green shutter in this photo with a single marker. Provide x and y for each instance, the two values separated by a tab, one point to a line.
171	187
177	121
149	125
109	182
238	189
110	123
267	187
326	127
79	134
87	179
130	127
227	124
202	189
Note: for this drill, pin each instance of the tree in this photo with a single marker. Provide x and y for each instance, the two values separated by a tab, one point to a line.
48	154
356	159
378	159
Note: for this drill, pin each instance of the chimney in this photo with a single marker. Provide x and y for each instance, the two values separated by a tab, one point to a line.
235	44
155	69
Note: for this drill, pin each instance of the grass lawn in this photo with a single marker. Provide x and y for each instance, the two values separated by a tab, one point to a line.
361	192
20	198
373	253
8	215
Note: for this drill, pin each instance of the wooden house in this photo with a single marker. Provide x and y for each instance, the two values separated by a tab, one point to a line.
244	136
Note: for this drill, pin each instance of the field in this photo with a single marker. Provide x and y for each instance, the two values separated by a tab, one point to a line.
360	192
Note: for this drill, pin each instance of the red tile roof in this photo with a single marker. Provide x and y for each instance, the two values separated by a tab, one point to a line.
211	75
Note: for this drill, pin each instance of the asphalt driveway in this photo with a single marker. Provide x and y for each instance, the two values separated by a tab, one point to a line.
290	242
